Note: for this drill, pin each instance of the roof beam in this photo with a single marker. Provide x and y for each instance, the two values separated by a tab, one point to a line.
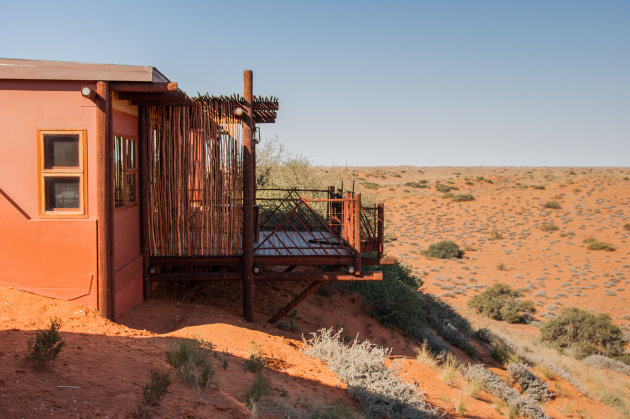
144	87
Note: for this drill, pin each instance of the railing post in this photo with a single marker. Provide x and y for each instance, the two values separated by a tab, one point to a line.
248	198
357	234
380	223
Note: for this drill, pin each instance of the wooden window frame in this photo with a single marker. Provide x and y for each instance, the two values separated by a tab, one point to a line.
80	172
126	171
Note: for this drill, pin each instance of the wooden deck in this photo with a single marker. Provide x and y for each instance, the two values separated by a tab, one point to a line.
305	243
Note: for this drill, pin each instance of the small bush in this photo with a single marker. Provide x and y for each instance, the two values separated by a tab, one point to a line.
46	345
394	300
583	333
453	327
594	244
331	410
607	363
446	249
626	226
549	227
154	392
419	185
378	388
538	187
500	302
463	197
258	390
496	235
552	205
192	363
290	325
491	383
444	188
256	362
531	385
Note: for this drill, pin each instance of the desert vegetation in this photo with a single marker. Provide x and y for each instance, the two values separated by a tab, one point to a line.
446	249
500	302
46	345
583	333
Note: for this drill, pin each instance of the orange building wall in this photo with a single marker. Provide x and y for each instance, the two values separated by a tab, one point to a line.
58	257
55	258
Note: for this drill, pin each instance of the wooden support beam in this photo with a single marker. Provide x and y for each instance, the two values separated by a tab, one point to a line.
290	268
297	300
153	97
248	197
378	261
234	261
268	276
144	222
145	87
357	234
104	199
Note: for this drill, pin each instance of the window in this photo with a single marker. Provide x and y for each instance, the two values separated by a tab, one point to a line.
125	171
62	179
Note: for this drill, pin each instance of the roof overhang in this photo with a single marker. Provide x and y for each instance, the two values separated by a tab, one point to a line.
62	70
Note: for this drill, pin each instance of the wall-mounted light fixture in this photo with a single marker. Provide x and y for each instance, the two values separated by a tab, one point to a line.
239	111
88	93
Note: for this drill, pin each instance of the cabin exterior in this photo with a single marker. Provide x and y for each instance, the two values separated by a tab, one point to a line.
111	179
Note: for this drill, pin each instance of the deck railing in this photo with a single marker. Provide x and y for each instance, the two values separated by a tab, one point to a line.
317	222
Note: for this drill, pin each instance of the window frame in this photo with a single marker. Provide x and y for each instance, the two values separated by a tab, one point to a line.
74	172
126	171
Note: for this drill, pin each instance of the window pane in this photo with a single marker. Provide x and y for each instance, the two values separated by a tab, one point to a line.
61	192
131	154
61	150
118	172
131	188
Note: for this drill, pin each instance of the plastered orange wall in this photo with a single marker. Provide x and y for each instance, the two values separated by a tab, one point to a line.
55	258
127	254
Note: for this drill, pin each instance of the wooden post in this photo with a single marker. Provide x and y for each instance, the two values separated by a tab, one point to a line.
144	221
248	198
357	234
380	229
105	201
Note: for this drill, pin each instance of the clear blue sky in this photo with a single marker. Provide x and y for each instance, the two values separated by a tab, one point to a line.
532	82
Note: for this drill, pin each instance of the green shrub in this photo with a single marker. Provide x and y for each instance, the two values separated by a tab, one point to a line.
46	345
192	362
394	300
500	302
256	361
444	188
594	244
258	390
531	386
422	184
552	205
370	185
446	249
463	197
549	227
538	187
153	392
583	333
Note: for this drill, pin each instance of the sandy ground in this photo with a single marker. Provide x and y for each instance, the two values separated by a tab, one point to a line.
110	362
554	269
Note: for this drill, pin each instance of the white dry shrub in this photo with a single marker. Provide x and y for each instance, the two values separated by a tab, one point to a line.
533	357
491	383
379	389
531	385
602	361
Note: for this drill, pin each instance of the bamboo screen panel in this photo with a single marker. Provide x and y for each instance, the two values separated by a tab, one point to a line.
194	181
